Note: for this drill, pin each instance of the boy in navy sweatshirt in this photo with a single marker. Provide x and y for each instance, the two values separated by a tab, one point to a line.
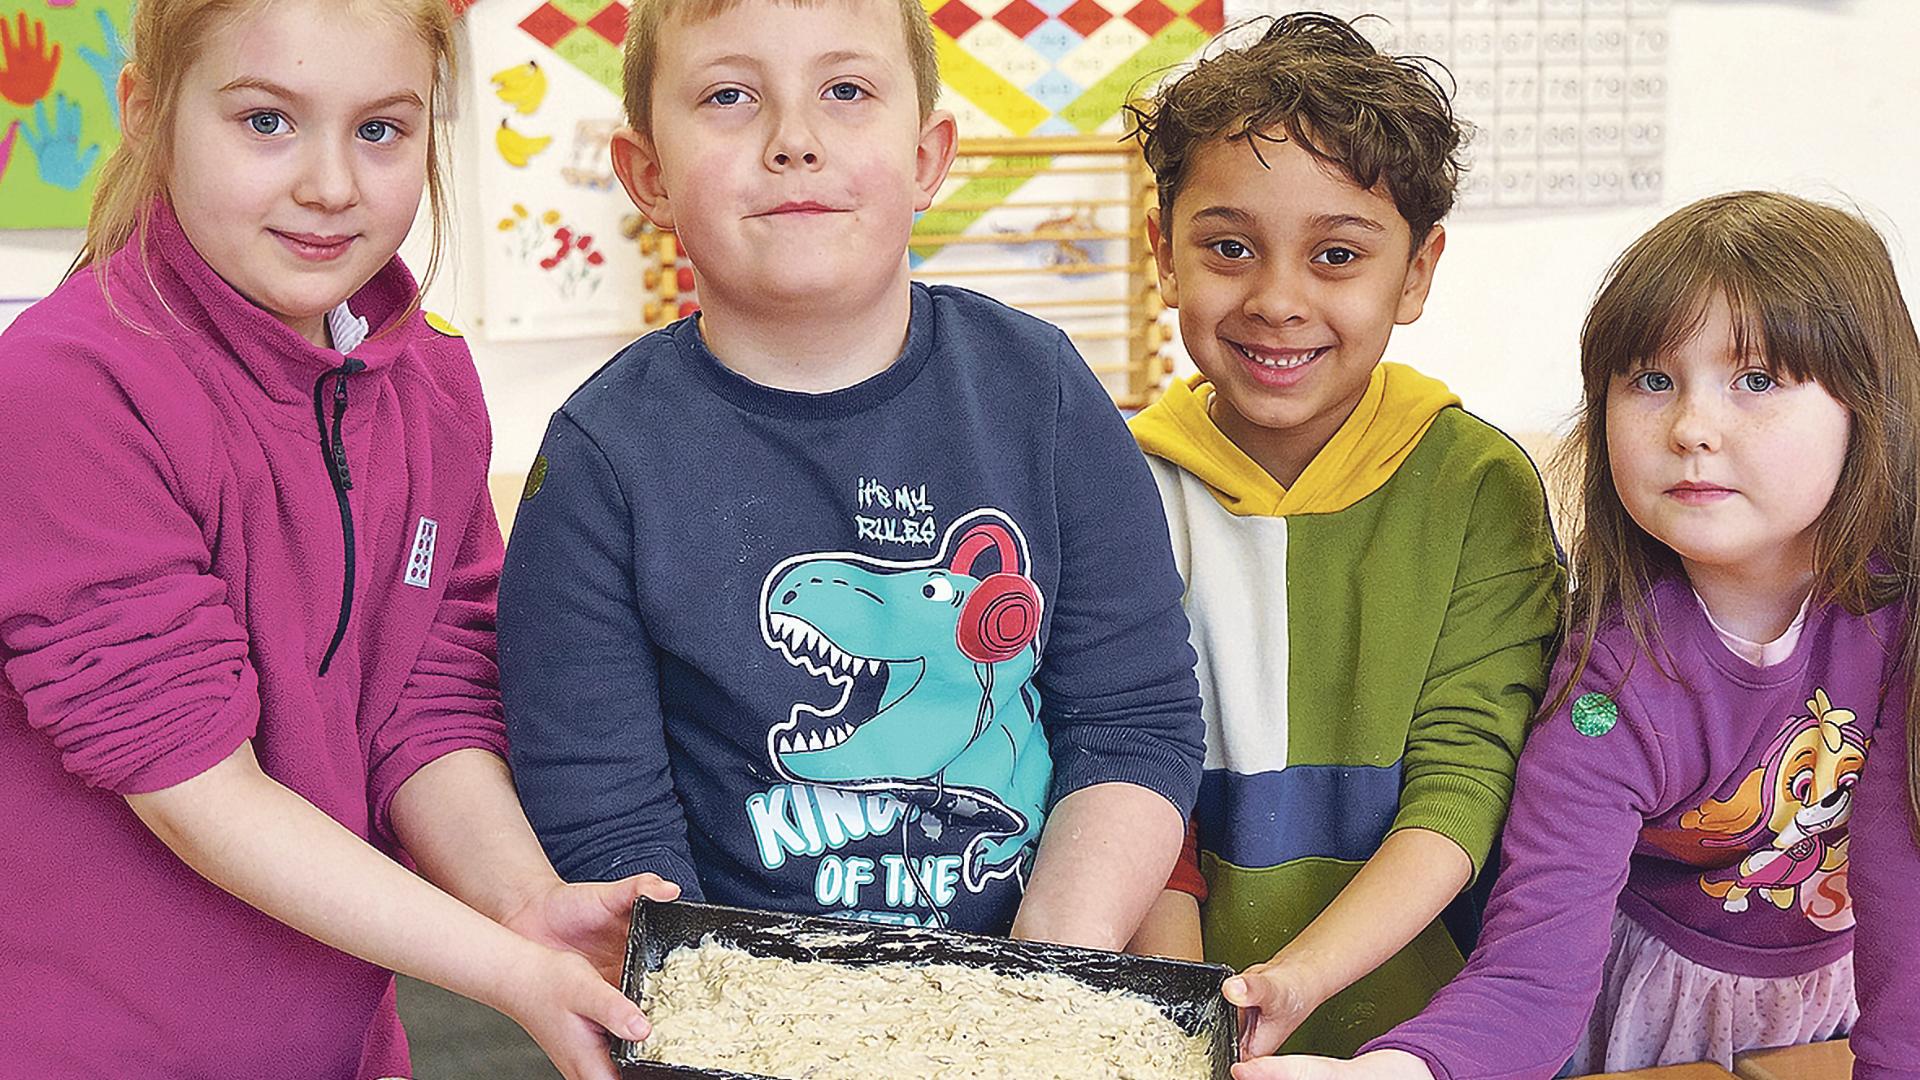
849	595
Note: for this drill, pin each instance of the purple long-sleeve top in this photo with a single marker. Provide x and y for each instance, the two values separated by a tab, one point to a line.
1748	817
182	553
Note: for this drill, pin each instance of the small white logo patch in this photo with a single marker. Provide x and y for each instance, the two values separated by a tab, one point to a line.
420	563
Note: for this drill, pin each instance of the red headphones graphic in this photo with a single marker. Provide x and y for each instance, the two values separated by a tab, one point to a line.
1002	614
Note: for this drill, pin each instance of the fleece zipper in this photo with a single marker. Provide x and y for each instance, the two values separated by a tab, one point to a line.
333	450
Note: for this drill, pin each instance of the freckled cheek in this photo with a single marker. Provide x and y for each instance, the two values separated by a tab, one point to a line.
1633	446
1790	469
1633	481
1802	446
1816	480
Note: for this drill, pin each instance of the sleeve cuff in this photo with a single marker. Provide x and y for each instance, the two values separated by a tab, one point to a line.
666	865
1458	808
1110	760
208	745
1438	1070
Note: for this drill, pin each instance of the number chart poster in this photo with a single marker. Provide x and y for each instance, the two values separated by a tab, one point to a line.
1568	98
59	116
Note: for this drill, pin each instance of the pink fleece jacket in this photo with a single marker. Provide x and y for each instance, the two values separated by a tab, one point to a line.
176	534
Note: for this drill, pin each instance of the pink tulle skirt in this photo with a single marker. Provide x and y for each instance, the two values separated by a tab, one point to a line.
1656	1007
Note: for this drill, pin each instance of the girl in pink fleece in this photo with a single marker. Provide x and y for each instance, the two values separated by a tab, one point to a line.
247	576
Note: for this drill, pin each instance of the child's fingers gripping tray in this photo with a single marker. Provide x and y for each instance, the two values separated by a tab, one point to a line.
746	995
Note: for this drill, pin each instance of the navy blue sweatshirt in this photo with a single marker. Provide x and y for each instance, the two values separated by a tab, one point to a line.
839	653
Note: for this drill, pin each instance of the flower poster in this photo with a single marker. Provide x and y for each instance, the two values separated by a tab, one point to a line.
554	240
59	116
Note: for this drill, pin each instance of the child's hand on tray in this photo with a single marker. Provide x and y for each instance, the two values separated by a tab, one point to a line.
1274	998
589	918
562	990
567	1007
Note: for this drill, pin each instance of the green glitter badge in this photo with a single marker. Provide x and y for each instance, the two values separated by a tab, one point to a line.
536	478
1594	715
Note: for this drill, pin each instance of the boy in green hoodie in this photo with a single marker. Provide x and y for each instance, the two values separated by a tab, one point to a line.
1371	576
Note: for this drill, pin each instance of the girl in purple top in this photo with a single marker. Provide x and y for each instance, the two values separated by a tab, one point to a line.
247	585
1723	783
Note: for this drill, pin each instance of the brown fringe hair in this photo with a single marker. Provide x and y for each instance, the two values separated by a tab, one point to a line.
1814	296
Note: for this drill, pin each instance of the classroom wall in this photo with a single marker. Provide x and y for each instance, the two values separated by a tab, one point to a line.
1812	96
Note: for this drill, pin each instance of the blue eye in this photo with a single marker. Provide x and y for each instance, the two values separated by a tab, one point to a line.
266	123
1230	249
731	95
1337	256
1657	382
846	91
1758	382
378	131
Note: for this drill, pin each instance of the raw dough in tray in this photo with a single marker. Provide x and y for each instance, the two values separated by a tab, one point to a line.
718	1007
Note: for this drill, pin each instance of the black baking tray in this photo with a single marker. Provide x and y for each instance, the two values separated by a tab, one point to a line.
1188	993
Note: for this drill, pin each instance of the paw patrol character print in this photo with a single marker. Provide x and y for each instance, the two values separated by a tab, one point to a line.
1796	805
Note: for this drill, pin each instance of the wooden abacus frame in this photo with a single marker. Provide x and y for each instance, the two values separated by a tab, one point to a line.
668	280
1138	379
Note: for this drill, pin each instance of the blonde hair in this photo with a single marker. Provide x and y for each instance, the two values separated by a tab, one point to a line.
166	38
1814	297
649	17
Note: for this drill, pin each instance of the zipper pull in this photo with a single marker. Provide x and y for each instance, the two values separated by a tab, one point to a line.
341	471
340	468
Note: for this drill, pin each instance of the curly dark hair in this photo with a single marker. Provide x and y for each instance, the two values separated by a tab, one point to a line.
1376	117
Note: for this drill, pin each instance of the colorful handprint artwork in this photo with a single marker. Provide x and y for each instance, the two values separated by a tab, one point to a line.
56	145
107	60
60	63
27	64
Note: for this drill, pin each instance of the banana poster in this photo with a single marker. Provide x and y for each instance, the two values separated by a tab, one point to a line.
563	250
59	117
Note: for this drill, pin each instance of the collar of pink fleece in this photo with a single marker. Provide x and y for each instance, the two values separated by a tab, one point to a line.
286	365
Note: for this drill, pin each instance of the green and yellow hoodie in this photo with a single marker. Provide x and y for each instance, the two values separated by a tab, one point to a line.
1371	641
